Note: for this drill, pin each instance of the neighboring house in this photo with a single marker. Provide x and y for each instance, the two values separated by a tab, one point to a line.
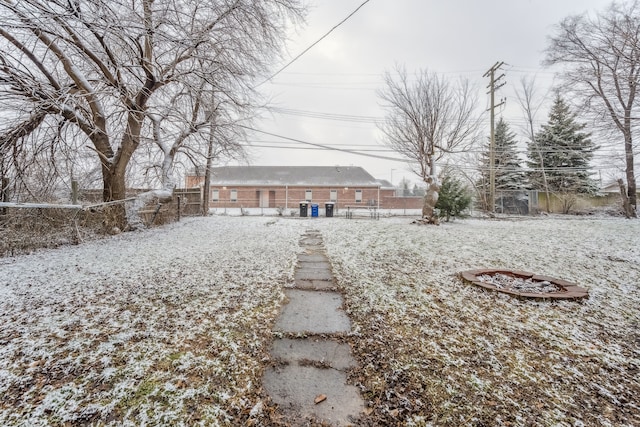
287	186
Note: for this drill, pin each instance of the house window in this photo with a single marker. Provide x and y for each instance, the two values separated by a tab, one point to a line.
307	195
215	195
234	195
358	196
333	195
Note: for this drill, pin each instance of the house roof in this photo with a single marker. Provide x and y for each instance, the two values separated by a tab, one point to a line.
385	184
330	176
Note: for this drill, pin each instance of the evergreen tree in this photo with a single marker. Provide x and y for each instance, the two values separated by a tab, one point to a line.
454	198
562	150
509	173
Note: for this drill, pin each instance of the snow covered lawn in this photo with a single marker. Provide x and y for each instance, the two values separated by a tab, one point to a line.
436	351
165	327
173	325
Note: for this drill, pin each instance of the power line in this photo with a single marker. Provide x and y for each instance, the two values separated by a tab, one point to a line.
327	116
326	147
315	43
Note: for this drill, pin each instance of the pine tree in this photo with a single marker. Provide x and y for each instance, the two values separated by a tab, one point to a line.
509	173
562	150
453	199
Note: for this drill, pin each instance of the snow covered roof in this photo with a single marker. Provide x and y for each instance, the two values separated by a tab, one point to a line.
331	176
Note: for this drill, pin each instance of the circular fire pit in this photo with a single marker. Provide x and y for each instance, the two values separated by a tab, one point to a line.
524	284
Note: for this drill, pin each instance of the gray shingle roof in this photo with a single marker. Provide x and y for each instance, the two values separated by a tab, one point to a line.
332	176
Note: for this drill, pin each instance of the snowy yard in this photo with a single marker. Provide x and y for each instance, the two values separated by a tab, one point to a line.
172	326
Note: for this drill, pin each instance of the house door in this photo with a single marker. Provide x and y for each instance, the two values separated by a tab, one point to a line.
272	199
263	198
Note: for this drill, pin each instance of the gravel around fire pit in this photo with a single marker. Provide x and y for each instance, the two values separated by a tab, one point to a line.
519	284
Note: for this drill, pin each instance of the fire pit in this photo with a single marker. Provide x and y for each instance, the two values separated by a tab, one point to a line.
524	284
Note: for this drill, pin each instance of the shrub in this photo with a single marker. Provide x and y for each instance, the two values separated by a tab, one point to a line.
454	198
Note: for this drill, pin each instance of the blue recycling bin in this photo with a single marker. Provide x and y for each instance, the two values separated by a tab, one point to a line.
314	210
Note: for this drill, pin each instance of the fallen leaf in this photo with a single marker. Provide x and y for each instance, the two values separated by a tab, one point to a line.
394	412
320	398
368	411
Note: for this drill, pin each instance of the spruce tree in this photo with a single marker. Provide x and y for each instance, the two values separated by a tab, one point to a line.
562	151
509	173
454	198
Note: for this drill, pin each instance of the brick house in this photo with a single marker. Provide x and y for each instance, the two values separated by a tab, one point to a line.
287	186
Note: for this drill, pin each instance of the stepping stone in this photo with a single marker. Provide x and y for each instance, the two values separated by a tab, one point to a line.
314	257
315	312
315	274
294	388
310	241
301	351
317	285
310	265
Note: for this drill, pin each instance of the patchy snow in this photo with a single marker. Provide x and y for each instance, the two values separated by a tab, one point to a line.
165	326
172	326
432	347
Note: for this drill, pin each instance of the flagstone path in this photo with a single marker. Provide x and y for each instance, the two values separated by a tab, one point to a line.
306	370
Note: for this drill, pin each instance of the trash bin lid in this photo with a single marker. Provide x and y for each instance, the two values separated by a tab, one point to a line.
314	205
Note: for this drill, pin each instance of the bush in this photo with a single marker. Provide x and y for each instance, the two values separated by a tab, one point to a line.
454	198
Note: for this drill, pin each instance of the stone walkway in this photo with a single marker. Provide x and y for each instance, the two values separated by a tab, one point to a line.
306	370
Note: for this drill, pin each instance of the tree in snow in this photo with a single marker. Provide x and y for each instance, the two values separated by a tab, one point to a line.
454	198
562	151
426	118
509	174
601	55
102	67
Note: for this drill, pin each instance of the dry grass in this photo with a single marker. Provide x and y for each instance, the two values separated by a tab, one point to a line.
172	326
25	230
436	351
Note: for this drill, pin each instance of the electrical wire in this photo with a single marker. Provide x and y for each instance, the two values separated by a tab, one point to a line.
326	147
314	43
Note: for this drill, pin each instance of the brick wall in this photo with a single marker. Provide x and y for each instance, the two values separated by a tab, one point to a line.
290	197
402	202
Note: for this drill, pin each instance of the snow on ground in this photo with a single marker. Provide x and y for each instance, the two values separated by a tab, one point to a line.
171	326
437	351
164	327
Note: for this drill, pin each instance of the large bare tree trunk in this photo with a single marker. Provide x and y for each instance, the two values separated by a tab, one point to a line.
431	194
430	200
206	190
629	212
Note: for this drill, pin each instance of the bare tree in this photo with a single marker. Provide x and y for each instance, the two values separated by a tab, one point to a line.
601	56
426	119
99	65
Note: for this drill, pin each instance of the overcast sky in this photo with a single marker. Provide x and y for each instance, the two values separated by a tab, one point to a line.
340	75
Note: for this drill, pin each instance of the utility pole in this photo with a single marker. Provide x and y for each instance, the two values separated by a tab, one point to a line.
495	83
